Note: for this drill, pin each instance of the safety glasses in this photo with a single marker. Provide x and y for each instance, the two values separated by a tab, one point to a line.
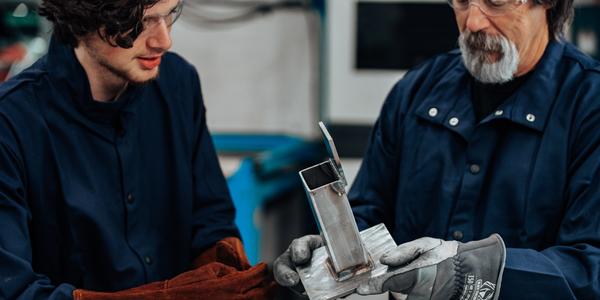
150	22
488	7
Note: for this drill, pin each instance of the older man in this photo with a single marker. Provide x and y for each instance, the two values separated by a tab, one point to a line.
501	137
109	183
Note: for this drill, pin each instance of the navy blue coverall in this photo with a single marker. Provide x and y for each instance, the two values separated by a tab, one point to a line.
104	196
529	171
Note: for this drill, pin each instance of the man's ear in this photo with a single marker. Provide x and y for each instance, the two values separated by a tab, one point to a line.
101	33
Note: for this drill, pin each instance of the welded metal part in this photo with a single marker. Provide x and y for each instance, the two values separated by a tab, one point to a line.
334	216
325	186
321	283
348	257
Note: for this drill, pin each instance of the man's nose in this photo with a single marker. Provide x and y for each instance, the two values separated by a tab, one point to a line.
160	37
477	20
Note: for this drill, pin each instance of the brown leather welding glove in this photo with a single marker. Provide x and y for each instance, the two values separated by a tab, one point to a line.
229	251
228	276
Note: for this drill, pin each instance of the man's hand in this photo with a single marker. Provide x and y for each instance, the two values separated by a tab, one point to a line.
430	268
298	253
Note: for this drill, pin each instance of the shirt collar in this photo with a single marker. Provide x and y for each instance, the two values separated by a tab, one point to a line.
449	105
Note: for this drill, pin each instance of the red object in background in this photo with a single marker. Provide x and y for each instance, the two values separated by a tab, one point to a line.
10	55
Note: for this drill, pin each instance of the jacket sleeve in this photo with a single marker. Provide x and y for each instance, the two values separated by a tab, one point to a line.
373	195
569	269
214	213
18	279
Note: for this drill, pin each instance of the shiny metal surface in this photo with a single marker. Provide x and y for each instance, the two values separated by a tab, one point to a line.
321	284
348	257
336	222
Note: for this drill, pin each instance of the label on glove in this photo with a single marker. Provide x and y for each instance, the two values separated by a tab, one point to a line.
476	289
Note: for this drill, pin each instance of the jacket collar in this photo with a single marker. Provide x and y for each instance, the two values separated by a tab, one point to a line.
529	106
64	68
448	103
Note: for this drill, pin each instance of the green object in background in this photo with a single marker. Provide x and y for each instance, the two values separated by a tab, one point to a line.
585	29
18	21
12	20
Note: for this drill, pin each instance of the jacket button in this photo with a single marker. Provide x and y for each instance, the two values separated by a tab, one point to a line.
499	112
148	260
530	118
457	235
453	121
474	168
130	199
433	112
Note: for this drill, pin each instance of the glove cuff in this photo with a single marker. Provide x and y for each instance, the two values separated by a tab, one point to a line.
229	251
479	266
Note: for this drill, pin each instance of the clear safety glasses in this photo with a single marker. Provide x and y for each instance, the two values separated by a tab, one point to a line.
488	7
150	22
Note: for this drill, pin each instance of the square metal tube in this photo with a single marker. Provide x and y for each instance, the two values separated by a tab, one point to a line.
332	210
348	257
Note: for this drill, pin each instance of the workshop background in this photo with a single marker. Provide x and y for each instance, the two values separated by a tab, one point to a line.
271	69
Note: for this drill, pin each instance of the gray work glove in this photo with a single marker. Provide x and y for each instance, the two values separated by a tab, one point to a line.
298	253
434	269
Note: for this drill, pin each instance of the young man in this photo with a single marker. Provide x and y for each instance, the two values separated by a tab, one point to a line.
501	137
108	177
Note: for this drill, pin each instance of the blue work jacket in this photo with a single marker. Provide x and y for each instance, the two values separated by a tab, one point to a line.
529	171
104	196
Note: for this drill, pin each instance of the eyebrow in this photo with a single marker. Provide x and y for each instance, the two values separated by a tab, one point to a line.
170	10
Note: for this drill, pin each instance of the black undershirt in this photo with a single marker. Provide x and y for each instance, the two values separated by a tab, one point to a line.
487	97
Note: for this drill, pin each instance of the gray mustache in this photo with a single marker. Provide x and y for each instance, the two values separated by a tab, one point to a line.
483	42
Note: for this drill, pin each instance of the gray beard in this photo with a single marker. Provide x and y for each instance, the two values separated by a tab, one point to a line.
475	49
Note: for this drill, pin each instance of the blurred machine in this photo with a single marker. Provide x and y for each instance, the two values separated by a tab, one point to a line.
370	44
397	35
265	176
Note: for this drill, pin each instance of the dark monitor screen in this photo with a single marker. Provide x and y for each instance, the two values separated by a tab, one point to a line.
399	35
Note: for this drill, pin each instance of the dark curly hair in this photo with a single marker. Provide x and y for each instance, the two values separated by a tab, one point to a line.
558	16
120	20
